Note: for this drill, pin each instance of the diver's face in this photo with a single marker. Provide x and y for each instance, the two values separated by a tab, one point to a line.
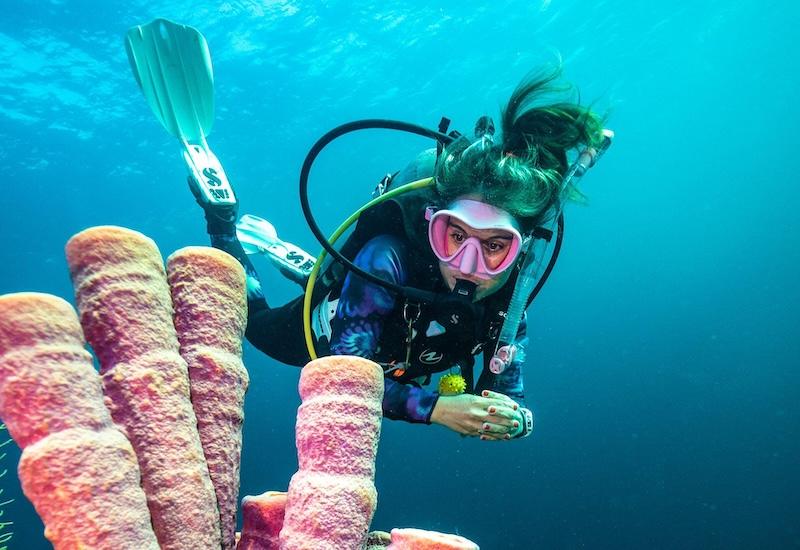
494	247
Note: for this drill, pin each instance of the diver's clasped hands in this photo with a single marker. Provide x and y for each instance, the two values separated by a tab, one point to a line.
491	416
505	421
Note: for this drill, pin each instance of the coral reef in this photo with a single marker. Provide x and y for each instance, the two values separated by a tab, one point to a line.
49	388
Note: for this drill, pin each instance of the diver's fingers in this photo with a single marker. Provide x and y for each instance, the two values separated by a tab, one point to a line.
501	397
494	428
502	413
489	402
509	425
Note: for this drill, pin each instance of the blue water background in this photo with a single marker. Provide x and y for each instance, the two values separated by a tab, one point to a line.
664	361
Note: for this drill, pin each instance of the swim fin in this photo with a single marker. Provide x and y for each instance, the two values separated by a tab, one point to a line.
258	236
172	65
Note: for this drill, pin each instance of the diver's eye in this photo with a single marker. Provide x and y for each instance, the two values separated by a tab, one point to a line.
494	246
457	236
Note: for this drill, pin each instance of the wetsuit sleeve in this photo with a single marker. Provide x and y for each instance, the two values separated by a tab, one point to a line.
508	382
221	229
360	318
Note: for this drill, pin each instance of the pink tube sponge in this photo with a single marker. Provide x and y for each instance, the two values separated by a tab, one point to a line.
85	487
263	519
210	303
332	497
338	423
121	290
47	380
209	298
417	539
76	467
126	312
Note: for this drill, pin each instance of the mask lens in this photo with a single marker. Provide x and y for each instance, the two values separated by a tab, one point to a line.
438	235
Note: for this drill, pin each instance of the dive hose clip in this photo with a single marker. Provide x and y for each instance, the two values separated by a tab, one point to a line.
382	186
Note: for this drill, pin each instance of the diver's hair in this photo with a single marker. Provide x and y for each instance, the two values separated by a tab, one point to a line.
522	172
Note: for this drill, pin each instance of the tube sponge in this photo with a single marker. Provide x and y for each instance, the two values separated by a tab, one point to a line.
126	312
263	519
210	303
76	467
332	497
418	539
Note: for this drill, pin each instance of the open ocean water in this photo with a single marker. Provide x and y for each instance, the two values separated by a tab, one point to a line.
665	361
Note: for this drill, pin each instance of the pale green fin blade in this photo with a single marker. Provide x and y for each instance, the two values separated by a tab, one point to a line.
172	65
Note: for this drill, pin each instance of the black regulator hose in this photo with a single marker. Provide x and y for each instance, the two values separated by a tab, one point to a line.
411	293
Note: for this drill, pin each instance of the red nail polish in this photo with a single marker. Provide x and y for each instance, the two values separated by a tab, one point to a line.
515	407
486	427
516	424
492	410
485	393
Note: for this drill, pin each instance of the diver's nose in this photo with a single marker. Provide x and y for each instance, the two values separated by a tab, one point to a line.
469	261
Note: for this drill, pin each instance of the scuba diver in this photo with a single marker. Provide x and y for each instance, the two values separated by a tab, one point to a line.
463	235
436	272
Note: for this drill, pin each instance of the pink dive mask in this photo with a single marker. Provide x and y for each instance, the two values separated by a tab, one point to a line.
469	258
